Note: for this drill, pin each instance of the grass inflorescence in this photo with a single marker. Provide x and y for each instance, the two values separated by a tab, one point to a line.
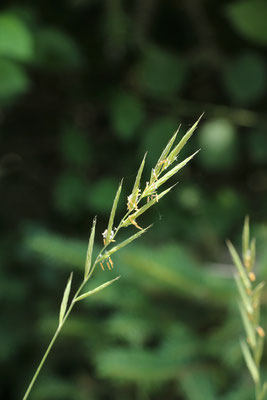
138	202
249	291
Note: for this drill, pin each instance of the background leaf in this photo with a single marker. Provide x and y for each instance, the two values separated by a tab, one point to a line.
245	78
127	113
248	18
13	80
16	40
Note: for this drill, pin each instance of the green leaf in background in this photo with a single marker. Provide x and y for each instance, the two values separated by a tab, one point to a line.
101	193
55	49
218	138
13	80
248	17
75	146
198	384
161	73
70	194
245	78
189	196
116	30
141	366
56	388
16	40
132	329
257	148
240	390
126	113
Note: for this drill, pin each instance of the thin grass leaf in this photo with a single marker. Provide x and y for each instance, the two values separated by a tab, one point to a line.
250	362
253	251
244	296
124	243
96	290
245	239
259	351
135	191
146	206
257	293
170	173
90	250
264	391
257	315
250	331
165	153
65	299
112	214
183	141
238	264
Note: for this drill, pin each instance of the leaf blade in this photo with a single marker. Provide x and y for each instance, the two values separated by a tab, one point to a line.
65	298
183	141
90	250
245	238
112	214
124	243
238	264
248	326
98	289
174	170
134	195
249	361
165	152
245	298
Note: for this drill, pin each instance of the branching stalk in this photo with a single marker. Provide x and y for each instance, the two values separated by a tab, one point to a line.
150	196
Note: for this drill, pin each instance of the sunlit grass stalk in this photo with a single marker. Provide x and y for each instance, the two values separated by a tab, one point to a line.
148	196
249	305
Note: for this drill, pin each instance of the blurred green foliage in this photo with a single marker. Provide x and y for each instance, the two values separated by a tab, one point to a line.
86	87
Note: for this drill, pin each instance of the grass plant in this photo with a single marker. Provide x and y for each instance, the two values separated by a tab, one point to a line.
138	202
249	291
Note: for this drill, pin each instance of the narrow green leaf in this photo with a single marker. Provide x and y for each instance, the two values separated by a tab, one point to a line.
253	251
64	302
90	250
259	350
264	391
245	238
238	264
172	172
250	331
101	287
165	153
257	292
135	191
244	296
249	361
183	141
123	244
146	206
112	214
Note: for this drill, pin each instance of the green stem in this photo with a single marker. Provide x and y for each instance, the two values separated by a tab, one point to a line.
52	342
42	363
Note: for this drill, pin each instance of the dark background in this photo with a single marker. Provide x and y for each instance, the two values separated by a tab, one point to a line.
86	87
